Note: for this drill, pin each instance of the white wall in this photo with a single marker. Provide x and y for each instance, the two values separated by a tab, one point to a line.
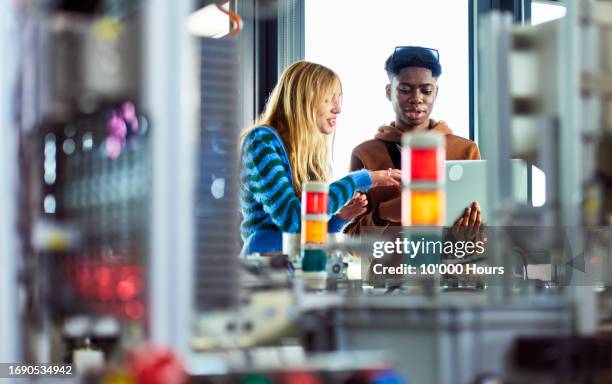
355	37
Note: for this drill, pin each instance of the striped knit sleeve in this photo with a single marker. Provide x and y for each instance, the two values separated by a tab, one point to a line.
336	224
265	176
341	191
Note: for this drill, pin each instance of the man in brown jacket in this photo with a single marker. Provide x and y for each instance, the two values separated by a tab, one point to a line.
413	73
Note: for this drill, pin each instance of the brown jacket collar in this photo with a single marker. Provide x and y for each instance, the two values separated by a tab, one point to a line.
391	133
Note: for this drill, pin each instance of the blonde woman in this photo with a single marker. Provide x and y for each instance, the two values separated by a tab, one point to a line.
289	146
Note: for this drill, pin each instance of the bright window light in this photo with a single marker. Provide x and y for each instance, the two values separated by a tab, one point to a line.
209	22
544	11
538	189
354	38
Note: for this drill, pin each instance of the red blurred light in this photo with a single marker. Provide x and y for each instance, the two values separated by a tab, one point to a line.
156	365
300	378
596	260
104	293
103	275
134	309
84	282
137	281
83	278
126	289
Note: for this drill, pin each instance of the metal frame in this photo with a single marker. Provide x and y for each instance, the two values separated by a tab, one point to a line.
563	156
571	130
171	100
266	58
494	34
10	329
248	55
291	44
473	70
437	342
521	13
258	48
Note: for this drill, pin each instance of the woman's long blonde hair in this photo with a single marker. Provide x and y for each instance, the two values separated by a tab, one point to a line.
291	110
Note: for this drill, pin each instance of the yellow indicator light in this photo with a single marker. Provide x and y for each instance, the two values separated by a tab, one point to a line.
423	207
314	232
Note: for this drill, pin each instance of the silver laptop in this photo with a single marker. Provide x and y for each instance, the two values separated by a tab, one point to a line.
466	181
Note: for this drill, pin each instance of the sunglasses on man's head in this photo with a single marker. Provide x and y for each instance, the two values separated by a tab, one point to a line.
427	55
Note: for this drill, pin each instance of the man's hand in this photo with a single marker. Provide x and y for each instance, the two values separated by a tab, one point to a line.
469	227
355	207
471	217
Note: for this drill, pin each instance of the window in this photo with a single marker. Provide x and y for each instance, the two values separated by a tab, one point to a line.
544	11
355	38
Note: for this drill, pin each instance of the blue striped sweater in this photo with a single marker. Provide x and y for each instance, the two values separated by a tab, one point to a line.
268	201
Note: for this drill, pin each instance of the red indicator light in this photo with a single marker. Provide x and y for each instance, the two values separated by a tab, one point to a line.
423	164
316	203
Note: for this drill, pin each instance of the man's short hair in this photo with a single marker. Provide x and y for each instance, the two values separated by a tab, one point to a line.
413	56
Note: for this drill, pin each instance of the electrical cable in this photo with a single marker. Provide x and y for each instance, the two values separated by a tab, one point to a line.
234	18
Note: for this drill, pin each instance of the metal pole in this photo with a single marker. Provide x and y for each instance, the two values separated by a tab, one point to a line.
571	158
495	121
9	249
170	96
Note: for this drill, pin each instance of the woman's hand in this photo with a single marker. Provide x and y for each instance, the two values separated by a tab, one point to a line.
355	207
388	177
